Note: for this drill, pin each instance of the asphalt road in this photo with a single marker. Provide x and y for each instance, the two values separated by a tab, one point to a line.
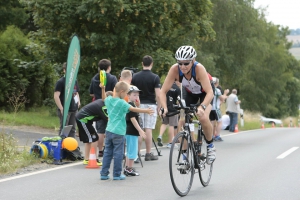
247	167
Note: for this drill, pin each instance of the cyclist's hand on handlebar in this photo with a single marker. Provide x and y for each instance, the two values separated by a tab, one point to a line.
200	112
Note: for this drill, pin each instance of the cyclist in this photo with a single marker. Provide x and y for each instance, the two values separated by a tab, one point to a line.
195	81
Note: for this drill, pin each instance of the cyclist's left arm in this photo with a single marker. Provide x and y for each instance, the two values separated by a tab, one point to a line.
201	75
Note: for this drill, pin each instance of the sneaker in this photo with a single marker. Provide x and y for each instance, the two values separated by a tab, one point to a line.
104	177
137	160
85	162
218	139
121	177
169	145
183	167
211	154
150	156
99	163
159	142
130	172
100	154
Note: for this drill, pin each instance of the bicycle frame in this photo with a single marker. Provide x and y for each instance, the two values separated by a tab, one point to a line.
187	134
188	156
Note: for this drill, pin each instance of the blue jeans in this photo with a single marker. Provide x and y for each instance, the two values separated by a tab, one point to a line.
114	148
233	121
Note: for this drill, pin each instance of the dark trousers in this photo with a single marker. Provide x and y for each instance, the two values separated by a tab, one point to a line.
233	121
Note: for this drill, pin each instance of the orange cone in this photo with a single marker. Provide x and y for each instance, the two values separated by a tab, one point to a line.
236	129
92	160
273	125
262	126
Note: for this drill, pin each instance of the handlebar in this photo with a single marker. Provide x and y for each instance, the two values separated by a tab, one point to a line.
191	109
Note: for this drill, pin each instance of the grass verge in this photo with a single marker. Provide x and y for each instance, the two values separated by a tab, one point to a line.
40	117
11	156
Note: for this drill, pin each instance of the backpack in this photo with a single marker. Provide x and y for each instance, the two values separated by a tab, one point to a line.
73	155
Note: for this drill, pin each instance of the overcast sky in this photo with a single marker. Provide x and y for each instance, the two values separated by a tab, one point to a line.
283	12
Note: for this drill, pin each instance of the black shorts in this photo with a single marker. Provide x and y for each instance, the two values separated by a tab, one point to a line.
191	98
101	126
213	116
87	133
194	98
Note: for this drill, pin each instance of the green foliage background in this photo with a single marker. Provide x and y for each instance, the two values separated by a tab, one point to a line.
233	41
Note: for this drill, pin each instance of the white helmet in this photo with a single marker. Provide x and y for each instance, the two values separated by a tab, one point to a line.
185	53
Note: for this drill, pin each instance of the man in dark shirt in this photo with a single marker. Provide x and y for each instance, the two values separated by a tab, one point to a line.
96	92
59	98
149	83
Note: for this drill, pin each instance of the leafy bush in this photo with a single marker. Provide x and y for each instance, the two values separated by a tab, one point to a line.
50	104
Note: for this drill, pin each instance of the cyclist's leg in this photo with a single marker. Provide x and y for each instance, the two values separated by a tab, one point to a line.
208	132
205	121
213	118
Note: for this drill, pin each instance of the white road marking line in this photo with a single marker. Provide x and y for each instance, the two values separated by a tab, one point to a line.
46	170
287	153
229	134
39	172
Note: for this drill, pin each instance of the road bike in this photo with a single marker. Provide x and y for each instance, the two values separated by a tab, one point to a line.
186	155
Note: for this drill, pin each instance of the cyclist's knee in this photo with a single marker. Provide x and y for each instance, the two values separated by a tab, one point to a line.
204	120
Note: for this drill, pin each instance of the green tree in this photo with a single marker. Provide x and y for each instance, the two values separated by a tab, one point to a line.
121	30
11	13
252	56
22	68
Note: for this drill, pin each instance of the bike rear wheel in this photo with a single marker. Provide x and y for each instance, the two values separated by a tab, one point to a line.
205	170
181	165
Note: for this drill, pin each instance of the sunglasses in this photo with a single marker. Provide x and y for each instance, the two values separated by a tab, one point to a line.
185	64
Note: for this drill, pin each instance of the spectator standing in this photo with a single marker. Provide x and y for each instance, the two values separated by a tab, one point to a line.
117	109
233	109
126	76
171	97
215	115
96	93
149	83
132	132
59	98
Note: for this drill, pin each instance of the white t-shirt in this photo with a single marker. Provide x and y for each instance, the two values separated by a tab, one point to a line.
225	121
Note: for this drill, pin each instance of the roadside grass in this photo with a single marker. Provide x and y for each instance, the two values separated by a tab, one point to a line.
11	156
40	117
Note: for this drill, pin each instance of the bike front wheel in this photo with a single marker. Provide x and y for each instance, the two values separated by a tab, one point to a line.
205	170
181	164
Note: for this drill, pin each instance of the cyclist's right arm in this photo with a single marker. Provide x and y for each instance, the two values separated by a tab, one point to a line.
171	77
